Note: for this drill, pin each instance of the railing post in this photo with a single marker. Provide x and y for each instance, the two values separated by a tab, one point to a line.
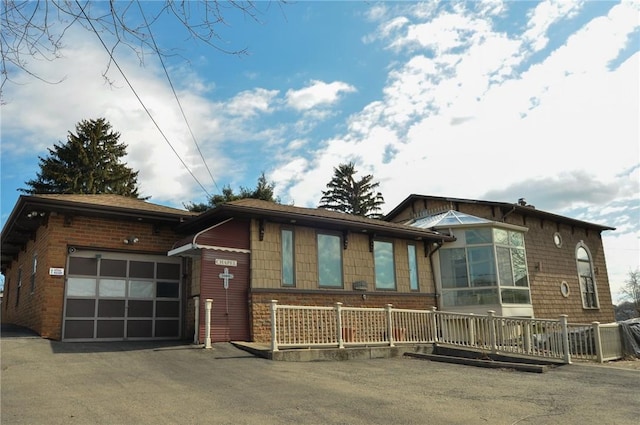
527	336
598	342
196	324
492	332
207	322
390	325
434	323
274	325
565	338
339	325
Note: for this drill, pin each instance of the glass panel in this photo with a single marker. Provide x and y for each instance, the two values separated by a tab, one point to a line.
81	308
517	238
167	309
465	297
86	266
111	308
139	328
584	268
110	329
140	289
142	269
81	287
111	288
113	268
329	261
519	261
78	329
453	268
515	296
167	290
140	308
167	328
384	266
582	254
500	237
478	236
413	267
504	266
482	266
169	271
287	258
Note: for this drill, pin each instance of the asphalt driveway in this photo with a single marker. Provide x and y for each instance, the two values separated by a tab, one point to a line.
46	382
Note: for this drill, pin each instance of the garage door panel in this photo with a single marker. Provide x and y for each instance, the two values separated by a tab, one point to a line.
110	329
111	308
140	308
78	329
167	309
167	328
81	308
139	328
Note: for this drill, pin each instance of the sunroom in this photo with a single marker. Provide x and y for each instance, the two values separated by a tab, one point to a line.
485	268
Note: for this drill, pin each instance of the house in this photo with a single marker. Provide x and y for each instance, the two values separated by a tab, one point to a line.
514	259
105	267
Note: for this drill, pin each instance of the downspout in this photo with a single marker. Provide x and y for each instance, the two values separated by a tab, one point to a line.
508	212
433	272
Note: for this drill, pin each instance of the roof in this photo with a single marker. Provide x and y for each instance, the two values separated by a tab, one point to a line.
522	209
312	217
27	214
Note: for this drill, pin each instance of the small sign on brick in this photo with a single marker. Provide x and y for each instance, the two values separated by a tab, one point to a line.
56	271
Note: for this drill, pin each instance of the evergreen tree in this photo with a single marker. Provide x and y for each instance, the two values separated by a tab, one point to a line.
346	194
89	163
263	191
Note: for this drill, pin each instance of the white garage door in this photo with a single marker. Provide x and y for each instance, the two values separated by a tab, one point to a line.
118	296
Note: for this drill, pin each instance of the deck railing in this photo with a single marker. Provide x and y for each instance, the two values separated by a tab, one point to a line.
308	326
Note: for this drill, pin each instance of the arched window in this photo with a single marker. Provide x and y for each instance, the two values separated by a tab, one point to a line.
586	277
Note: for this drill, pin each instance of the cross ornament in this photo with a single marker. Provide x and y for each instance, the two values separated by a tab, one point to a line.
225	277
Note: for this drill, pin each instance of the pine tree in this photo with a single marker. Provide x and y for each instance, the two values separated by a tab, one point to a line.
263	191
89	163
346	194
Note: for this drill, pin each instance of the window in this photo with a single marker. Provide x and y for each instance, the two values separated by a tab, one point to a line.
492	258
288	271
329	260
384	265
19	286
413	267
585	275
33	272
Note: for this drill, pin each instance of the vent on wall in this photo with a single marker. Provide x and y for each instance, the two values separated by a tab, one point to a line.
360	285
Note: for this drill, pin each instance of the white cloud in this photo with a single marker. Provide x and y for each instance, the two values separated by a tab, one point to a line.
544	15
317	93
251	102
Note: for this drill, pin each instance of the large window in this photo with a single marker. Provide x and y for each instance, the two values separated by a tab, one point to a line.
585	274
490	269
288	271
329	260
413	267
384	265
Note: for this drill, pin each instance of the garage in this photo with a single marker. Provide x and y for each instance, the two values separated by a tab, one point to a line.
112	296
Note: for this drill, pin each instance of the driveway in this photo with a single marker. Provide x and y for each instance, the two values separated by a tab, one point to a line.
46	382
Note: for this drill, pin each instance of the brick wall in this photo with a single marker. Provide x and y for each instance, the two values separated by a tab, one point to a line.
42	310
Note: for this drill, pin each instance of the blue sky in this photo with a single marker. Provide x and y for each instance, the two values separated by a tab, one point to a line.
483	100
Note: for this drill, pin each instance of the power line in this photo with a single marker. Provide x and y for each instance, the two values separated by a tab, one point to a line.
139	99
175	95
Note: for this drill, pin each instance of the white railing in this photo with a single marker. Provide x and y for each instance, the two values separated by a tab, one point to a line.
595	341
339	326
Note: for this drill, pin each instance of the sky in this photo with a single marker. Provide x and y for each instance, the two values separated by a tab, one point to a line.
491	100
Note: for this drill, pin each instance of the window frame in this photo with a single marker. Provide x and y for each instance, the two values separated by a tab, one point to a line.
377	266
584	287
291	257
320	257
34	268
414	275
18	286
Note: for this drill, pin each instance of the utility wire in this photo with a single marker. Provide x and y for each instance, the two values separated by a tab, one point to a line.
155	46
139	99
